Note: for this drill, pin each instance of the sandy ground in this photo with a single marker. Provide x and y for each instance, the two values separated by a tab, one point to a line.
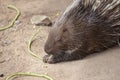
14	56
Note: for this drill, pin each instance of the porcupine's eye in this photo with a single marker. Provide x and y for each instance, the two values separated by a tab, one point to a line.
65	35
62	37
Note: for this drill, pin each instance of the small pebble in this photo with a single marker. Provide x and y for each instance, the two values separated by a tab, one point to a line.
34	26
1	75
17	22
57	14
46	73
44	66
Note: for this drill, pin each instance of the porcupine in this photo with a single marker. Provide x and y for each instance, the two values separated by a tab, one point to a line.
86	27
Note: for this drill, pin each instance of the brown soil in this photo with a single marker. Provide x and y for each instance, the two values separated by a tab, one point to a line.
14	56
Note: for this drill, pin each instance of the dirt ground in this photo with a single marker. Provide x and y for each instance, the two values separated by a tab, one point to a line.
14	56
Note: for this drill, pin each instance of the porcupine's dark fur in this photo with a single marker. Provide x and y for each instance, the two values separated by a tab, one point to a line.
86	27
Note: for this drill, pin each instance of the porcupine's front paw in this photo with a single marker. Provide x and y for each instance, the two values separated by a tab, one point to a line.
49	59
53	58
